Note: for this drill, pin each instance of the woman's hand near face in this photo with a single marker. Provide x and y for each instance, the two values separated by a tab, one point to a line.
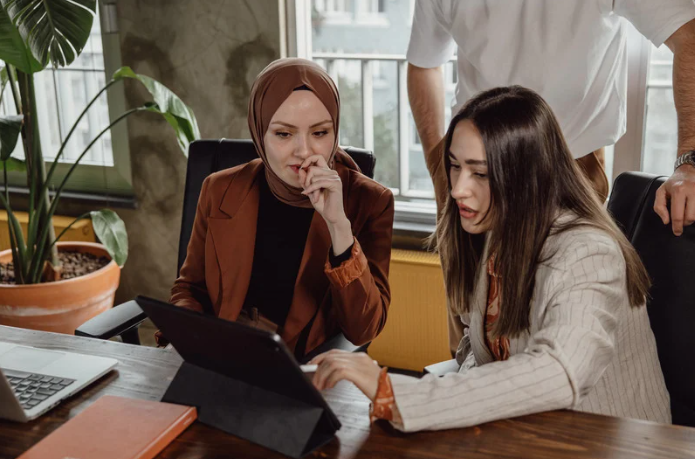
356	367
324	188
325	191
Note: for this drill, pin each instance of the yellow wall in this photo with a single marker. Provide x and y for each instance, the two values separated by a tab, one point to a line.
80	231
415	334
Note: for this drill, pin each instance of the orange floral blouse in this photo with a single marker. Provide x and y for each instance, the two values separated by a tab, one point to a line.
499	346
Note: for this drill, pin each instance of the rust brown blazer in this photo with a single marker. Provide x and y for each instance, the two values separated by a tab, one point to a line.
352	298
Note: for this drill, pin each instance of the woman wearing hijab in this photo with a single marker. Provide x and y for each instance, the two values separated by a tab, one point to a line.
299	240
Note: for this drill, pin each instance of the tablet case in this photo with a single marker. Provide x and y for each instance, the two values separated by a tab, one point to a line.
243	381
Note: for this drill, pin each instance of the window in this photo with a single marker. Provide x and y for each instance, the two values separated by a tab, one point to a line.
371	13
651	140
368	63
61	96
333	6
661	125
355	13
366	58
332	12
372	6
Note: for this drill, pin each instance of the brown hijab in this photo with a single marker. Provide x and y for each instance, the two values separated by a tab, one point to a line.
272	86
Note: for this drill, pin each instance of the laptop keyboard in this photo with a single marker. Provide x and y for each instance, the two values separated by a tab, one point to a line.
32	388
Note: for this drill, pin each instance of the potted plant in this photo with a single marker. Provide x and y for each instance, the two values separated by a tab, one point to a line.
34	34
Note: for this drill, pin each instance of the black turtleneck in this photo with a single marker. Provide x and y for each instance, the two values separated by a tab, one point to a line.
281	234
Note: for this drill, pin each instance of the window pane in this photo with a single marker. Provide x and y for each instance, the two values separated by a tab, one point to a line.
419	177
385	95
75	89
661	126
49	119
346	75
61	95
337	27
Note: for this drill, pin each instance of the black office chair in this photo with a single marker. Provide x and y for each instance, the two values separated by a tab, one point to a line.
670	261
204	158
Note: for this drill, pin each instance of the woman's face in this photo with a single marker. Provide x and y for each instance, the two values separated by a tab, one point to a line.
301	127
470	187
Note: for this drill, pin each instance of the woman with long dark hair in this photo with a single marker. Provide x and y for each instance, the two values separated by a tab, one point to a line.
549	292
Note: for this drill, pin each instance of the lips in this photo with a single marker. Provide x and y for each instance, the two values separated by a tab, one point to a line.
295	168
466	212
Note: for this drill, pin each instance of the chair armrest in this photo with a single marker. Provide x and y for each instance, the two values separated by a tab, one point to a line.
113	322
340	342
442	368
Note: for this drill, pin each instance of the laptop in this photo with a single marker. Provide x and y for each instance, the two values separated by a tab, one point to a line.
33	380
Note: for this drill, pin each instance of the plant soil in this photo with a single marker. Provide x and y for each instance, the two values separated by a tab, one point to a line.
75	264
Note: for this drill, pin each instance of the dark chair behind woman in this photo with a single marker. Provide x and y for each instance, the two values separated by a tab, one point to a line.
670	261
204	158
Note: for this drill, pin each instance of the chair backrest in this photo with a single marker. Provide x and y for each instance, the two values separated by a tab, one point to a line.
670	261
208	156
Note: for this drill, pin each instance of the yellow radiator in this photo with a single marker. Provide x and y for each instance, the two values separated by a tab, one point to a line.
80	231
415	334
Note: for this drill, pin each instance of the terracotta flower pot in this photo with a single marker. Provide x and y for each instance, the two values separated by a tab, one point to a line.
64	305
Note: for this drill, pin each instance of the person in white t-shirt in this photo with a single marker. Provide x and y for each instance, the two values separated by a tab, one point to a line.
574	54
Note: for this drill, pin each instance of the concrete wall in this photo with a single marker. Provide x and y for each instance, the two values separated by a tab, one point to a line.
208	52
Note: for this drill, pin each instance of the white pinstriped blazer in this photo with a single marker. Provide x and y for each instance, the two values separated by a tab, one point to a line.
587	349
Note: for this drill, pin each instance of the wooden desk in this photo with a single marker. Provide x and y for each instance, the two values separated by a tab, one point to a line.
145	373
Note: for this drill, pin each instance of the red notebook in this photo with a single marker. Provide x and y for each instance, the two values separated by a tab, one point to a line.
116	428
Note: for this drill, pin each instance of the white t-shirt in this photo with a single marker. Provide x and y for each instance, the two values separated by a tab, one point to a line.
572	52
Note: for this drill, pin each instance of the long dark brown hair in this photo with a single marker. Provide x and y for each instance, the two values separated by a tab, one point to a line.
533	179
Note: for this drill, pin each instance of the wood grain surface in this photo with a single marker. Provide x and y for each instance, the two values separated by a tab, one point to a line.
145	373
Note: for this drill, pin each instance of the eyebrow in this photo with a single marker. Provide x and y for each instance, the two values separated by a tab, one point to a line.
295	127
470	162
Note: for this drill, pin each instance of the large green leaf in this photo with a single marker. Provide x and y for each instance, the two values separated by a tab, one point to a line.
110	230
55	30
10	127
12	47
167	104
13	164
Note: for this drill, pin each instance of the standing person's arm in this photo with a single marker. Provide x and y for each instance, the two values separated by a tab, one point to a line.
680	187
672	22
431	46
426	96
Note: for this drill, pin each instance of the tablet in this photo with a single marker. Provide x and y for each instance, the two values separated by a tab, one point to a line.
255	357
